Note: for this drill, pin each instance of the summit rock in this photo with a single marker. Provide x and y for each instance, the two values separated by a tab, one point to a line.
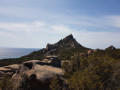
67	42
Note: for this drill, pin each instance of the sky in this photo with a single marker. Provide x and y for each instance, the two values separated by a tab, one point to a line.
34	23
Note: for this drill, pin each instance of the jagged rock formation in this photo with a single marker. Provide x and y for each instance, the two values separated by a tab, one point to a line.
67	42
39	73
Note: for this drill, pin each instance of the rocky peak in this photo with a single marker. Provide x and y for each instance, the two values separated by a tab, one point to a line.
111	48
68	41
69	37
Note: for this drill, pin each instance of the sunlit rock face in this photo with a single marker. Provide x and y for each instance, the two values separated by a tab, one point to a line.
38	72
8	70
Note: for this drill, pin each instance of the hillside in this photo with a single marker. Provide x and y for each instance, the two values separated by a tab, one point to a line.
81	68
65	49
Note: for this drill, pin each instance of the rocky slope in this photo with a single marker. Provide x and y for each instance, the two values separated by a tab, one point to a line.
65	48
41	70
38	68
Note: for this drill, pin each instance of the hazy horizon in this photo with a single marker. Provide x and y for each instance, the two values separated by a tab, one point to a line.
15	52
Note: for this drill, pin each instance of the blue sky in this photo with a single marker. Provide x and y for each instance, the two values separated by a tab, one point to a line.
34	23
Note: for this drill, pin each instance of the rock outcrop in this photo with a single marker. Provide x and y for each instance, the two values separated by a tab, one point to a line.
9	70
39	73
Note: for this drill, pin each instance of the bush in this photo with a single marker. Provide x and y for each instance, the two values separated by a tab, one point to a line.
56	83
95	73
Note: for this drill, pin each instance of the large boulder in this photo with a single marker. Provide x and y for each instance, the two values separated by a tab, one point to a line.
53	60
37	74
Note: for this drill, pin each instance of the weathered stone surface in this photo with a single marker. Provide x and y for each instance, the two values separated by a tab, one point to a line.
10	70
38	72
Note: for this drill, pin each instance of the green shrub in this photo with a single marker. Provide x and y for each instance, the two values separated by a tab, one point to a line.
56	83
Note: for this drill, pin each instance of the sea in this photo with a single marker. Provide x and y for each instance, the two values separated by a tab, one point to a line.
15	52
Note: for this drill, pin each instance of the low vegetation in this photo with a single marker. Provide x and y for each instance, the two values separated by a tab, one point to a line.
95	72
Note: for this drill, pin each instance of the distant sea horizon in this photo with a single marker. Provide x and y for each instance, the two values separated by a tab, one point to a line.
6	53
